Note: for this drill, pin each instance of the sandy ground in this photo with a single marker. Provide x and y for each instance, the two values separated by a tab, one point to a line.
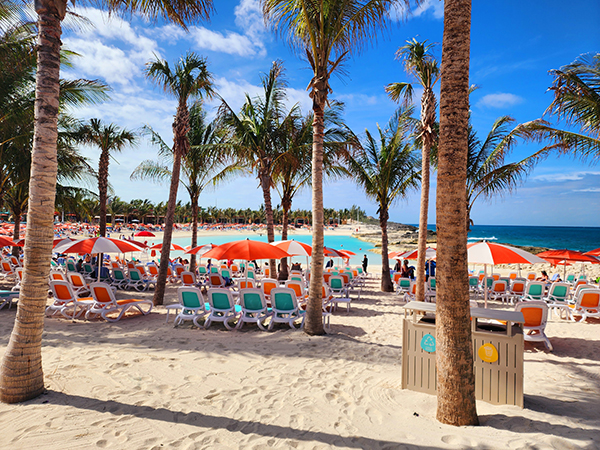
141	384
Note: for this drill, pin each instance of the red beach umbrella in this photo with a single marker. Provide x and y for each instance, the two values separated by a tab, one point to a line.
567	255
347	252
247	250
145	233
327	251
99	245
595	252
6	242
174	247
294	248
413	254
201	249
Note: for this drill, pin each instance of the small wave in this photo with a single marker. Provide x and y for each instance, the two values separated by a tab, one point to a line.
493	238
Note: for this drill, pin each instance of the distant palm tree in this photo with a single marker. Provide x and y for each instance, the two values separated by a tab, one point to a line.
188	78
576	90
206	163
420	63
256	130
109	139
386	167
327	32
454	347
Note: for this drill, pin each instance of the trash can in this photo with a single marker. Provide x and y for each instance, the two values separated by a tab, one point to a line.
497	353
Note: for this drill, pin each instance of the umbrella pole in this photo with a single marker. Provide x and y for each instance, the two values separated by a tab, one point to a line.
519	269
99	265
485	289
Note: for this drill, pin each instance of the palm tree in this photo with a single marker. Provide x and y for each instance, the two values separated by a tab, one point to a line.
327	32
109	139
256	130
21	376
386	168
454	348
188	78
487	173
420	63
292	172
206	163
576	88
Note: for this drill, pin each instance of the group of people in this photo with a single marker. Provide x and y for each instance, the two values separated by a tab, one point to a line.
407	271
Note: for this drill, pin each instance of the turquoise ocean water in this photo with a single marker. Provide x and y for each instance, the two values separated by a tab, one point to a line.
573	238
338	242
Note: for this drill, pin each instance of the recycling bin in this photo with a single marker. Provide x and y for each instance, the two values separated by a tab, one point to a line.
497	352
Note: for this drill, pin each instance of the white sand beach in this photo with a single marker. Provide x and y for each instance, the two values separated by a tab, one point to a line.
141	384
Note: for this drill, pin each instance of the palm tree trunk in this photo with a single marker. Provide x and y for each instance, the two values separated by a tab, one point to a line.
21	375
454	349
428	119
314	309
102	189
265	182
283	272
194	232
180	146
16	230
386	279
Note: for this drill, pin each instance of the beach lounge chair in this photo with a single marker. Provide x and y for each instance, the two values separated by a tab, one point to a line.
66	302
267	285
78	284
531	276
534	291
403	285
222	307
189	279
339	291
137	281
474	285
517	290
7	298
587	304
558	298
105	304
299	289
285	308
119	280
202	272
411	295
536	316
214	269
254	308
499	291
430	290
178	269
15	261
88	270
512	275
18	278
570	278
215	280
246	284
7	270
328	305
57	275
70	266
192	305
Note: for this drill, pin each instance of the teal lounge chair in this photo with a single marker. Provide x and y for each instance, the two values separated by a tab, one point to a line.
285	308
222	308
192	305
254	308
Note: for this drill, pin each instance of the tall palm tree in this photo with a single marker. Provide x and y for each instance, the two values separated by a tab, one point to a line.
386	168
206	163
327	32
454	348
576	89
292	172
21	375
488	174
256	130
423	67
189	78
109	139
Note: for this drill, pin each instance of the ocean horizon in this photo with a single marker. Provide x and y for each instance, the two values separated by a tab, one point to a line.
573	238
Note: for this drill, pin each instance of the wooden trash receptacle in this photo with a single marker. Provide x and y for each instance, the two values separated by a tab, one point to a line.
497	353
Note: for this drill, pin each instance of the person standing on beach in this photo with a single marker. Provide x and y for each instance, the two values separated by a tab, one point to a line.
365	263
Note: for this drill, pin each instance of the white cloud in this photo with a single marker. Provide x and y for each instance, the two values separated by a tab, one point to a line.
587	190
499	100
427	7
230	43
249	17
563	177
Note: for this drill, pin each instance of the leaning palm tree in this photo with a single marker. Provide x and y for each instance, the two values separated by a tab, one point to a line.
327	32
256	131
21	376
454	348
109	139
576	89
187	79
206	163
421	65
386	167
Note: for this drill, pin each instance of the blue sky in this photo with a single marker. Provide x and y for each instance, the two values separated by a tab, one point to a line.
513	46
